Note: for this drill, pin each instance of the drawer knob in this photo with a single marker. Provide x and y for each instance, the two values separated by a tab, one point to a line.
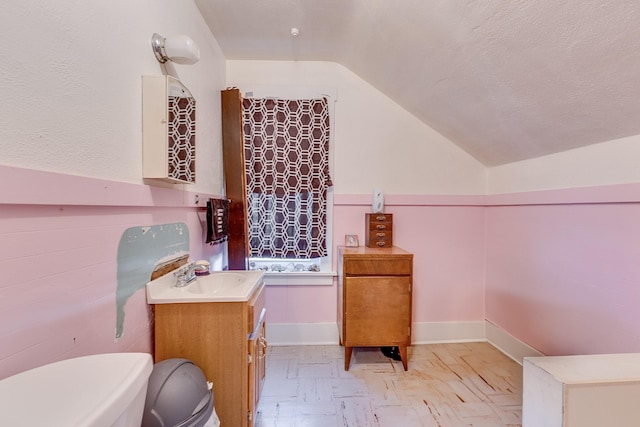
381	217
381	234
380	244
381	226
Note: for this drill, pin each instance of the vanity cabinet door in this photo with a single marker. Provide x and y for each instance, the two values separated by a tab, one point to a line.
261	362
256	358
256	365
252	404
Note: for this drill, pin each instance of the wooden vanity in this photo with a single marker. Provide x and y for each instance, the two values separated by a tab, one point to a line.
374	299
224	339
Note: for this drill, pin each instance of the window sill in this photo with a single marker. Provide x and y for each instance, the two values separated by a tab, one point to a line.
299	278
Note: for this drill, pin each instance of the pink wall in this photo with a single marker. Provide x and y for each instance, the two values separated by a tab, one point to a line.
565	278
562	277
301	304
58	264
446	236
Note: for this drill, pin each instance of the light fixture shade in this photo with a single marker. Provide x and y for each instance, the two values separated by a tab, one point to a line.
179	49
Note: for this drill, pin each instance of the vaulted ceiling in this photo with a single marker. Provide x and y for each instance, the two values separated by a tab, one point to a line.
506	80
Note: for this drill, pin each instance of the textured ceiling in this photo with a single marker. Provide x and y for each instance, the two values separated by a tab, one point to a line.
506	80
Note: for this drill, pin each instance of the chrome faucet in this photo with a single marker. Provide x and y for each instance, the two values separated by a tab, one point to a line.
185	275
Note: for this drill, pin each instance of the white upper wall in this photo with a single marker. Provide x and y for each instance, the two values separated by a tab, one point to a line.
607	163
72	104
378	144
71	86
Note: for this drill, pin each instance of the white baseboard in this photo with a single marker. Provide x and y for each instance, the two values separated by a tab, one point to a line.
443	332
279	334
327	333
302	333
508	344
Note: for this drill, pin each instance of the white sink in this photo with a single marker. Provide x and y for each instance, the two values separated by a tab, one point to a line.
218	286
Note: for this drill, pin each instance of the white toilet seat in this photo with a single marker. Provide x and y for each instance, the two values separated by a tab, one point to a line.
97	390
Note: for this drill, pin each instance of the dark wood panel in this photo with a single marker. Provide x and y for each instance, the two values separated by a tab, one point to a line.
234	178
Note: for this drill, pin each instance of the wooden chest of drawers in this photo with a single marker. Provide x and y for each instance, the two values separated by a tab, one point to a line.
379	230
374	299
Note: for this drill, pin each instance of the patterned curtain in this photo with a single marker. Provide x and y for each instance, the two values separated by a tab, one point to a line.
286	144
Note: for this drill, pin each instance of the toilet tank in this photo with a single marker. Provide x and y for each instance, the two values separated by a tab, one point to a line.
102	390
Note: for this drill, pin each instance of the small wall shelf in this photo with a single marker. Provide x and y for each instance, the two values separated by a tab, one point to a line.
168	130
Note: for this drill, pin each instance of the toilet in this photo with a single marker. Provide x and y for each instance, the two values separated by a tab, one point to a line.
102	390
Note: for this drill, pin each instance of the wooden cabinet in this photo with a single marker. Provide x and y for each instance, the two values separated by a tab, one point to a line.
227	341
378	230
374	299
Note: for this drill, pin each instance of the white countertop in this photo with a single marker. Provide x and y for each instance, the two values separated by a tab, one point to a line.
218	286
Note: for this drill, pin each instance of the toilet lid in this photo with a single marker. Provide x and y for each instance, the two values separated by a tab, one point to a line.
84	391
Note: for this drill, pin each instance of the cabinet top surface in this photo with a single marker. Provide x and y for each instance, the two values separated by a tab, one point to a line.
365	250
590	368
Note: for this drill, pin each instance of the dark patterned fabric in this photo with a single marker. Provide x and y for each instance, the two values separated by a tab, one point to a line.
182	138
286	144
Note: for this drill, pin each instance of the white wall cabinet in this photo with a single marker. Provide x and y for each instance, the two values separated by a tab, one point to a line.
168	130
582	391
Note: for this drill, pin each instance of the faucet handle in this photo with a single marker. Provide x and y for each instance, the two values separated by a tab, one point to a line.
185	274
184	269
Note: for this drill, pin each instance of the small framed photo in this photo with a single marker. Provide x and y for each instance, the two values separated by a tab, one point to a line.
351	240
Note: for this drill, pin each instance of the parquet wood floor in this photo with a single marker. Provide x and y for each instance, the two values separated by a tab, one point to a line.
447	385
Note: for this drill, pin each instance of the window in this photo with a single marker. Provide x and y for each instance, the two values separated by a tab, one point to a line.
287	170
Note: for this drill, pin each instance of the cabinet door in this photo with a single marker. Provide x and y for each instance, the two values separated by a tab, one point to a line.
377	310
251	366
261	362
257	363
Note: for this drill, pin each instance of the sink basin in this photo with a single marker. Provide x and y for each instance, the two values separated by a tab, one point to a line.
218	286
217	283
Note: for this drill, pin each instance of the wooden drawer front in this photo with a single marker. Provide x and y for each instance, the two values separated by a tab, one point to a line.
380	219
377	311
386	266
255	307
379	239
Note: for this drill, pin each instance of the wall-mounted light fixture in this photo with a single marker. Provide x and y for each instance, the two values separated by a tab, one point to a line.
179	49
